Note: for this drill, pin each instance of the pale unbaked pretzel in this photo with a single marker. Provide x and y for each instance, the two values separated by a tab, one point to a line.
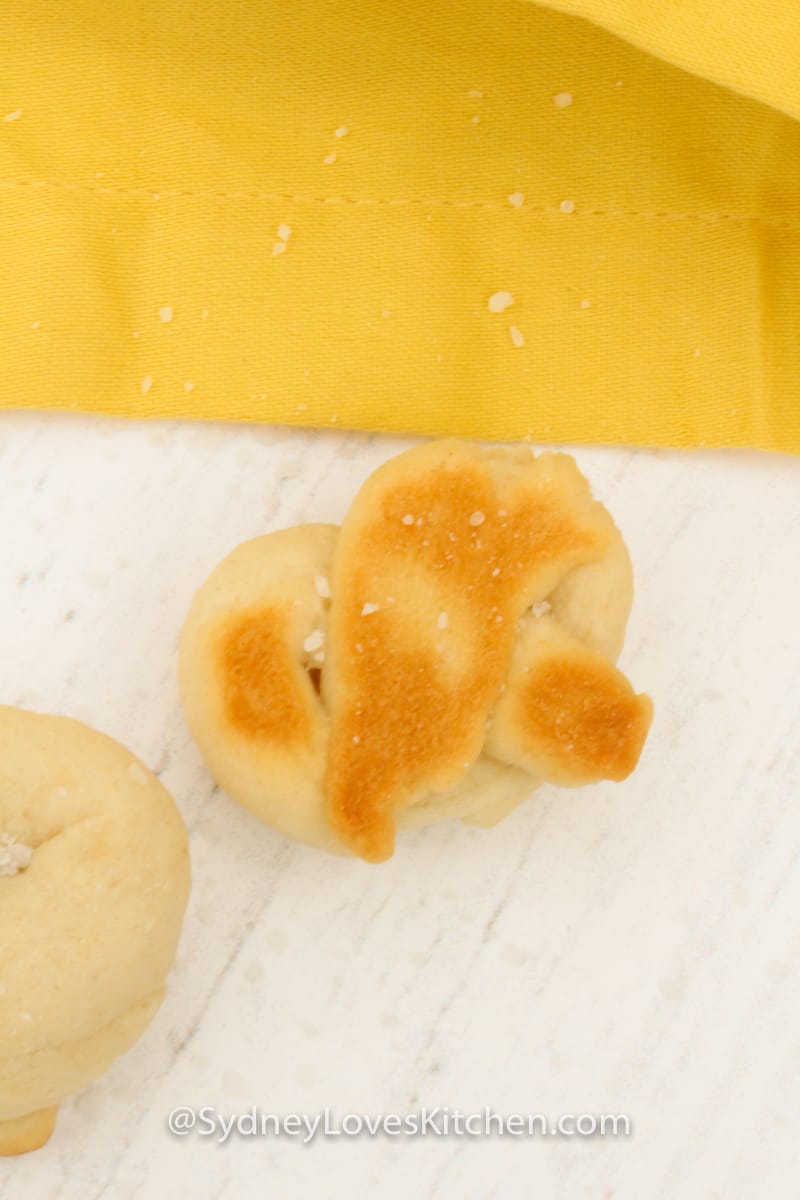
344	683
91	905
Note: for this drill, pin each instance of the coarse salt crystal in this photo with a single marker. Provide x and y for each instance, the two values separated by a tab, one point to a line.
165	313
567	206
323	586
517	199
475	94
342	131
586	304
14	856
13	116
408	519
278	248
329	158
35	324
476	120
369	608
284	232
356	739
562	99
500	301
477	518
146	384
188	386
541	608
314	641
443	621
495	572
516	336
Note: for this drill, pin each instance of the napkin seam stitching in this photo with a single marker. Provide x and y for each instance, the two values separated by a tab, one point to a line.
172	193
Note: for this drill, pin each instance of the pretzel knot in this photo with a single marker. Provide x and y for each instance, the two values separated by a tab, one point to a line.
94	882
447	648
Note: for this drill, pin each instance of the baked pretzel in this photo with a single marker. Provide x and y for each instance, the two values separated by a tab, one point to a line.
446	649
94	879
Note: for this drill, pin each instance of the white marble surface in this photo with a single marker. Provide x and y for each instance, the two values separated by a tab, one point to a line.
625	949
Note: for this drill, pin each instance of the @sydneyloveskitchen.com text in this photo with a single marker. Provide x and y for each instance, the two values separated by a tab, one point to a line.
434	1122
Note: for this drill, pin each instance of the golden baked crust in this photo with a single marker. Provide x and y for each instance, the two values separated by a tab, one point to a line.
27	1133
424	617
263	690
567	714
88	928
228	648
344	683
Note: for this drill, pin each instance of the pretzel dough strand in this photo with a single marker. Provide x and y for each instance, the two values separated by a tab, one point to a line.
409	700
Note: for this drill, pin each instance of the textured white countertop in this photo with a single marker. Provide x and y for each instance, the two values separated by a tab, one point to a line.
628	949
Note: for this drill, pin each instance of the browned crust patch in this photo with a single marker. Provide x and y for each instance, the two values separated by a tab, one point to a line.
578	719
261	680
409	700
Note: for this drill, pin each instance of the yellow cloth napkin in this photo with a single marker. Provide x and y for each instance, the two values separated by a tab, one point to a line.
482	217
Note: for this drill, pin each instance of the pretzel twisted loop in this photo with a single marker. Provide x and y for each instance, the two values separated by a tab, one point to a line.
450	646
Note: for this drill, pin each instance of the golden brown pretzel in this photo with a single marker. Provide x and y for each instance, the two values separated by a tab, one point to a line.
344	683
93	886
